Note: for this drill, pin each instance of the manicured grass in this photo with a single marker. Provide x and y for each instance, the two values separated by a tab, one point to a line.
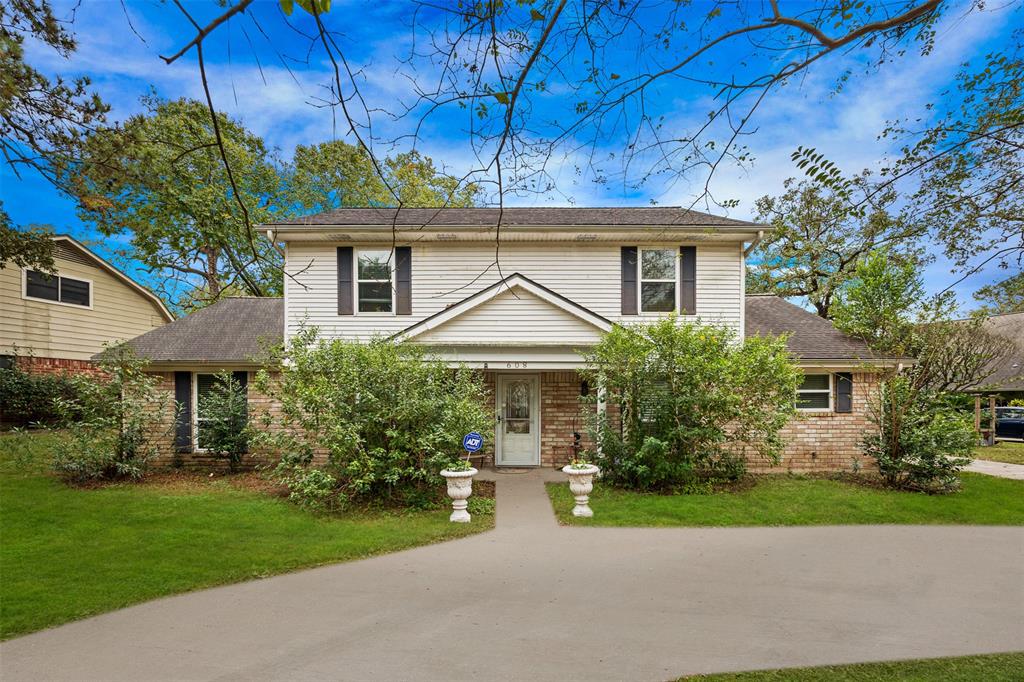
991	668
1011	452
782	500
67	553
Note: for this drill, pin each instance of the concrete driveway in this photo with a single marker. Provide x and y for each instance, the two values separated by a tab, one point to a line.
536	601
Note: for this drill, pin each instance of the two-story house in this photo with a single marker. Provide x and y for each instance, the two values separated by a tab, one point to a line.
519	303
57	322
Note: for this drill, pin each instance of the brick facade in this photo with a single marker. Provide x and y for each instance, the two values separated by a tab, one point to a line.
827	441
816	442
39	365
162	430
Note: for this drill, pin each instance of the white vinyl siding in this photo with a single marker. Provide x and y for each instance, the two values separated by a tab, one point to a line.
445	273
514	317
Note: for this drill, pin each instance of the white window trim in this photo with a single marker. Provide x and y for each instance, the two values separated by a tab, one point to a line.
358	281
640	281
25	296
195	411
830	390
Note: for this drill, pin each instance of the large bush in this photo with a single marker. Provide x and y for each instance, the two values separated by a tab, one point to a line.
920	441
32	398
387	416
108	425
693	402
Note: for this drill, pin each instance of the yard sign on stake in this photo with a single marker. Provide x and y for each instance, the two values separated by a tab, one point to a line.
472	442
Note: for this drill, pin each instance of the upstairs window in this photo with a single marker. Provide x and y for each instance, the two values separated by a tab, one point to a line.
59	289
658	278
374	286
815	393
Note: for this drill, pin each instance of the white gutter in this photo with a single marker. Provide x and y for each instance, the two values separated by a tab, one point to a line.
753	244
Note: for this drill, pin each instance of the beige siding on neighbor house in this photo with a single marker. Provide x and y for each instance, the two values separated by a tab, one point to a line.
48	329
445	273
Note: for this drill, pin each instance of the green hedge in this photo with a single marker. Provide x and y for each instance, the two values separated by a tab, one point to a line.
30	398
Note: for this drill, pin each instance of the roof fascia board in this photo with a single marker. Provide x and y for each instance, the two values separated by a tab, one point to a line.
335	227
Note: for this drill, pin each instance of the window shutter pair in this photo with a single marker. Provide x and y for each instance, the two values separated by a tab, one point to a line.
687	284
183	407
403	280
844	392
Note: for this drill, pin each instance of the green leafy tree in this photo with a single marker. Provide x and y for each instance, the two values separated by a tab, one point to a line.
879	302
820	232
692	402
1006	296
26	248
388	417
160	178
969	165
336	174
920	440
39	116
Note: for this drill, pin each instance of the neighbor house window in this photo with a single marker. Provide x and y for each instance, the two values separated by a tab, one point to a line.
56	288
658	280
374	289
815	393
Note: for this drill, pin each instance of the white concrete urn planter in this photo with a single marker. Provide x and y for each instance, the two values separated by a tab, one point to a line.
460	487
581	484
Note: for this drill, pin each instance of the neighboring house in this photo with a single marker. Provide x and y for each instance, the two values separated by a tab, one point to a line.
58	323
1007	373
429	276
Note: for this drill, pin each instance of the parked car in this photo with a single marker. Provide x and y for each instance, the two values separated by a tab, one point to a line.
1010	422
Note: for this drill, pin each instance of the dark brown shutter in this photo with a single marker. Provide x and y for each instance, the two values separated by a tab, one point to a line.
844	392
403	280
242	377
688	280
183	412
629	280
345	280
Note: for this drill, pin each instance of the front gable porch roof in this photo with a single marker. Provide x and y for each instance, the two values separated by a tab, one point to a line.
511	284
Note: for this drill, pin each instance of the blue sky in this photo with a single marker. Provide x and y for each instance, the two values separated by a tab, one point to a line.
251	83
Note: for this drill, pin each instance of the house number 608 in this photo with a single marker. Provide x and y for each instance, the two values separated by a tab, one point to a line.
516	365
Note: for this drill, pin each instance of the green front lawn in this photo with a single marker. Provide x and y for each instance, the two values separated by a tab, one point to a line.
1007	451
67	553
782	500
991	668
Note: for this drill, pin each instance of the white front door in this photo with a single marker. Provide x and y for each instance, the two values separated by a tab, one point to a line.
518	405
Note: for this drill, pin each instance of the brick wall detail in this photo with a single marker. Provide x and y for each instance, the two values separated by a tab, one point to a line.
32	364
816	442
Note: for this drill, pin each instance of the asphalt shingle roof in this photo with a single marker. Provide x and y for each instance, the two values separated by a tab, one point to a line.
810	336
238	330
656	216
1008	371
235	330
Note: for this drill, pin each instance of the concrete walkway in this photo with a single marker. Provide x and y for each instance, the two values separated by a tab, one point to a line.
1001	469
534	600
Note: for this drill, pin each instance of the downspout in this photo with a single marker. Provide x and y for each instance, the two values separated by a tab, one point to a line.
753	244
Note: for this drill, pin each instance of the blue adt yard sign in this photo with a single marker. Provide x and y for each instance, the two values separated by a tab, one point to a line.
472	441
